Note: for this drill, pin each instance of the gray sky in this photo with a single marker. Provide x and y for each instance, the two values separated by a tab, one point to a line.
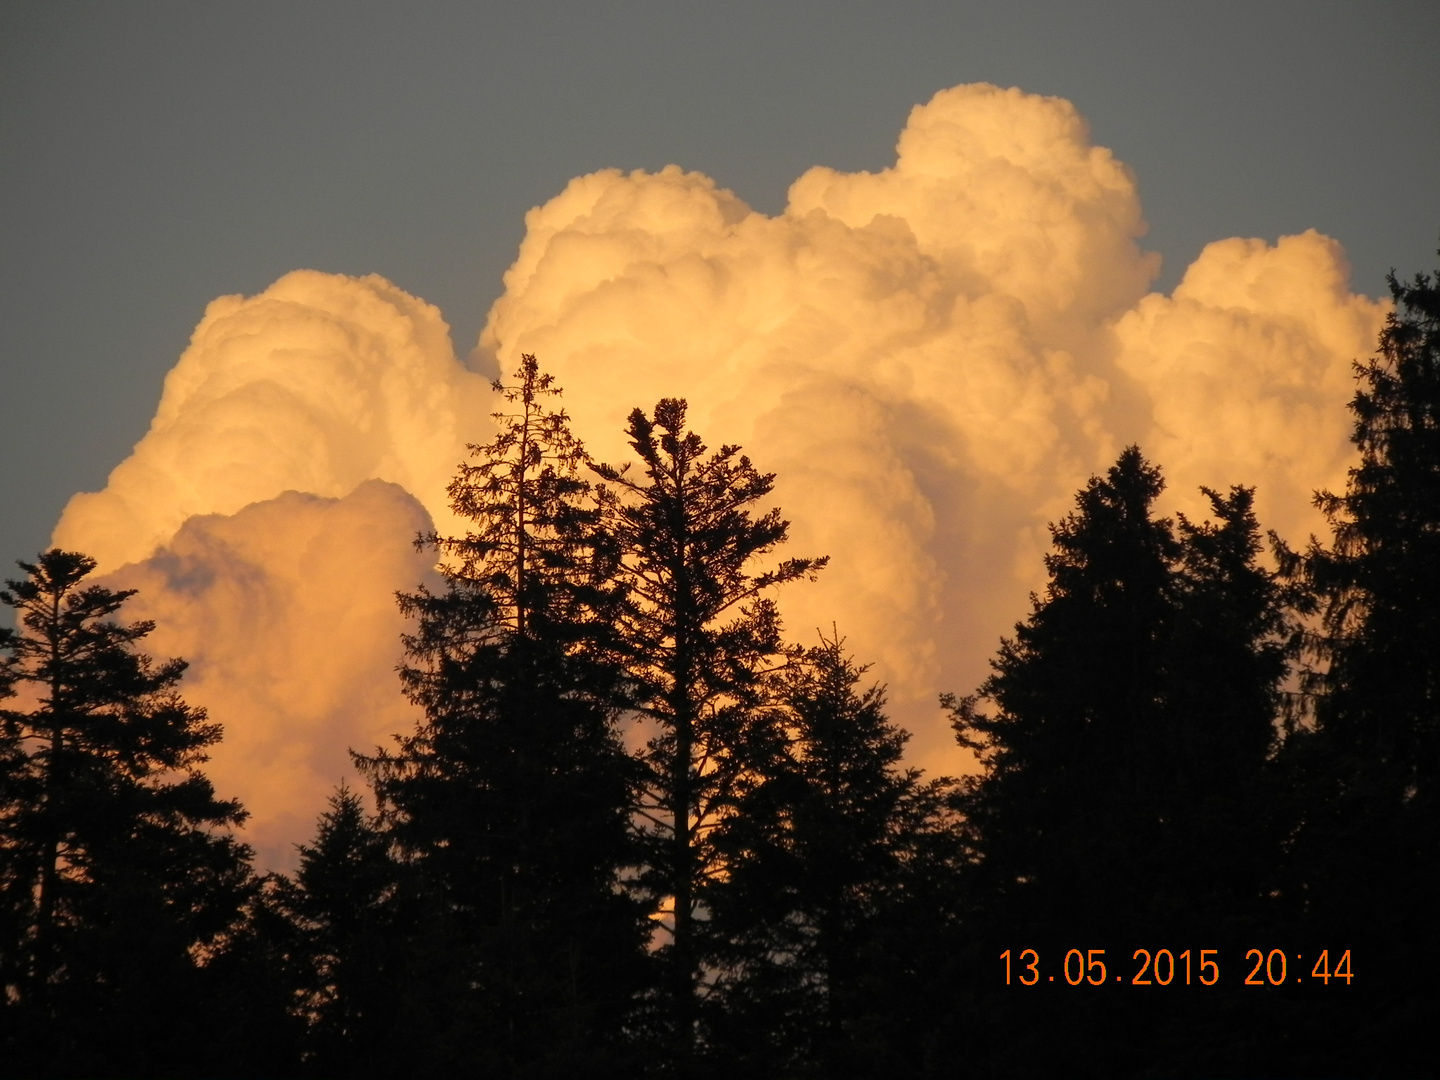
156	155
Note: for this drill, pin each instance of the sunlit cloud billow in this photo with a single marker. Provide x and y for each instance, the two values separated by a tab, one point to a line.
931	357
286	612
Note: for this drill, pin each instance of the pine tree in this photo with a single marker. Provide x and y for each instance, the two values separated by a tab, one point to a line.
1145	690
348	948
1234	640
840	867
698	634
16	792
1062	813
121	870
1127	797
511	801
1365	860
1379	584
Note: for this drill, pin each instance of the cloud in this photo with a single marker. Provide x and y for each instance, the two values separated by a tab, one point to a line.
932	358
317	384
286	612
1248	368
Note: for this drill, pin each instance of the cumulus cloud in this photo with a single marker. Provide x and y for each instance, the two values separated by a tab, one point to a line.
1247	371
317	384
286	612
932	357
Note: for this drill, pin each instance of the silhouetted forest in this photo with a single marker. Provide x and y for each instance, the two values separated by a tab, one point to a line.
640	832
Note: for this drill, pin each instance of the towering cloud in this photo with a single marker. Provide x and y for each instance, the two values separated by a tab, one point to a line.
1246	369
319	383
286	611
932	358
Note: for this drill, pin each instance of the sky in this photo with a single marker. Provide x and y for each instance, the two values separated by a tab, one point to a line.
156	157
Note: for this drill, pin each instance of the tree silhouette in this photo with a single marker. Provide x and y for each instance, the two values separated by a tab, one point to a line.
1127	796
348	947
1062	813
510	802
840	864
1365	864
1234	639
698	634
1379	585
122	875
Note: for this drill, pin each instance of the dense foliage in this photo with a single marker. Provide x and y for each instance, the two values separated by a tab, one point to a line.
120	870
509	808
1365	771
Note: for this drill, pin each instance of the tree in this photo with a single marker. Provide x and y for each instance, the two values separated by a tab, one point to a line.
121	869
16	885
840	874
1230	653
348	946
511	801
1365	860
698	633
1062	814
1379	584
1127	795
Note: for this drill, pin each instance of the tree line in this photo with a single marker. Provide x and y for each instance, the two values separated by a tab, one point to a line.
639	832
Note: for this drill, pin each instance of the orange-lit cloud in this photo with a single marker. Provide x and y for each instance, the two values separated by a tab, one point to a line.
317	384
932	358
1247	369
286	612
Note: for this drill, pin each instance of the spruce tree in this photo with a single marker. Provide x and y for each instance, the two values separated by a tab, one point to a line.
1062	813
510	803
16	878
123	876
1231	651
698	632
840	873
348	944
1365	860
1378	585
1126	799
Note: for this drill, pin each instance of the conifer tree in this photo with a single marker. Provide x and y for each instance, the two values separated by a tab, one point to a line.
349	945
121	870
1234	639
16	782
1144	689
1365	860
1061	814
698	633
1379	584
1126	796
840	872
511	801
